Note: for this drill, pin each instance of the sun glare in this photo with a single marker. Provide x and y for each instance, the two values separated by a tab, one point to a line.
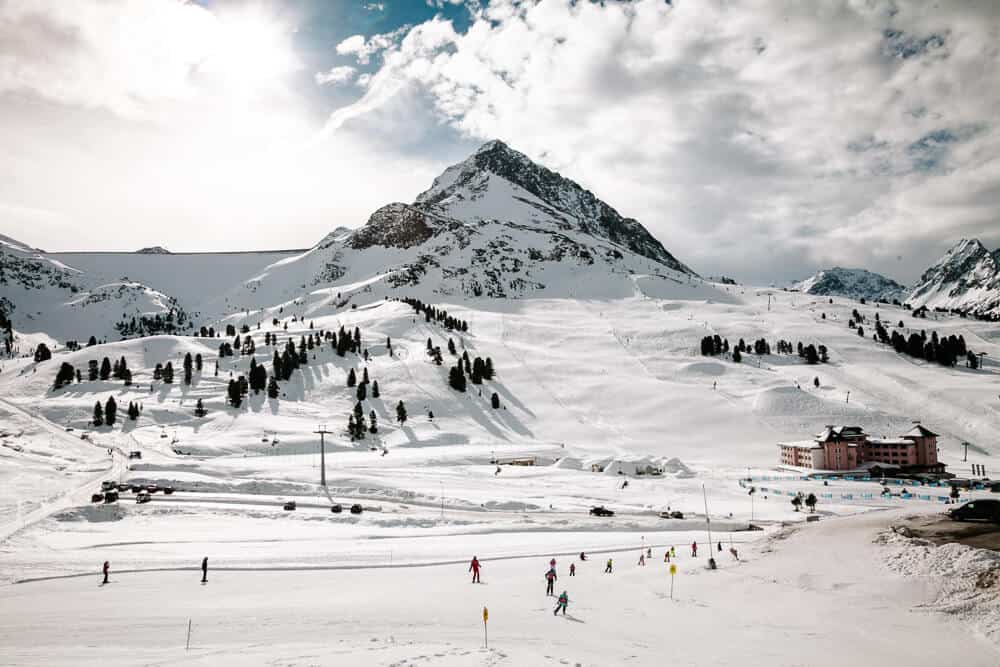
251	53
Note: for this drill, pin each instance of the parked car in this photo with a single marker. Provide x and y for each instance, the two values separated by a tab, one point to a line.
289	506
152	488
672	515
107	485
167	490
123	488
601	510
97	498
136	488
336	508
143	497
111	497
69	429
135	455
977	510
356	509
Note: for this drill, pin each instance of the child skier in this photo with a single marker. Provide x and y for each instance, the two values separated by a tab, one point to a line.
561	604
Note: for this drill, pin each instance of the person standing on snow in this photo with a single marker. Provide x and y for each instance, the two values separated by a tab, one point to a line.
607	570
673	552
583	556
666	556
561	603
107	568
552	563
694	550
204	570
550	578
720	546
474	569
649	552
642	558
572	569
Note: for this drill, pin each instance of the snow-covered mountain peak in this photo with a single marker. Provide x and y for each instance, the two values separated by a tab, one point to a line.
500	183
153	250
966	278
851	283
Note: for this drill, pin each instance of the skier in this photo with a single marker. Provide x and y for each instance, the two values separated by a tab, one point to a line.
497	471
642	558
666	556
550	578
204	570
649	552
732	550
694	550
583	556
673	552
474	568
572	569
561	604
552	564
107	568
720	546
607	570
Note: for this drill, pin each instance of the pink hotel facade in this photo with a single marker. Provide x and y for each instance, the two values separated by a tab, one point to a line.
840	448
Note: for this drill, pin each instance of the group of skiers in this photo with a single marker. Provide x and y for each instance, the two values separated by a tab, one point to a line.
551	576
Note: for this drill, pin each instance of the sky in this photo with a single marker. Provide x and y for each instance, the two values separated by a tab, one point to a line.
759	140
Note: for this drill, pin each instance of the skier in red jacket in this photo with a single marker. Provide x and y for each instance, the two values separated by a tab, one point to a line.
694	550
474	569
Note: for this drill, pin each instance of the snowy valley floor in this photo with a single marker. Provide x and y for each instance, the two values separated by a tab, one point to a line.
819	594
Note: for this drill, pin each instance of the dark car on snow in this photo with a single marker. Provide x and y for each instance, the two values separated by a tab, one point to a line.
601	510
356	509
289	506
97	498
977	510
336	508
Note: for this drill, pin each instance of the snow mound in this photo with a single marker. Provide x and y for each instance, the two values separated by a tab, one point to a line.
704	368
967	579
792	401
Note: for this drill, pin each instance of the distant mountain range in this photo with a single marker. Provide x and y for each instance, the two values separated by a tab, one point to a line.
495	225
852	283
966	278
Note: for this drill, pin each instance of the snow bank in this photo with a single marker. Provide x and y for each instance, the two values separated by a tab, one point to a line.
967	579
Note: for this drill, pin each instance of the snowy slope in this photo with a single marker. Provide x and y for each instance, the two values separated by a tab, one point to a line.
966	278
851	283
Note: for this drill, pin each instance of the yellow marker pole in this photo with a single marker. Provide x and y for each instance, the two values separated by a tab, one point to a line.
673	571
486	617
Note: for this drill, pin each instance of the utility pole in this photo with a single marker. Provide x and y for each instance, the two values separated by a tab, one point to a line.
848	400
708	526
965	453
322	453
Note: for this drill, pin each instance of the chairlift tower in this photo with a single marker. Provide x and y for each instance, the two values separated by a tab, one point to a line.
322	453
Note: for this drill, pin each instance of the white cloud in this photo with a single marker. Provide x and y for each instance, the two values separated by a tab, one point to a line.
752	137
336	75
363	49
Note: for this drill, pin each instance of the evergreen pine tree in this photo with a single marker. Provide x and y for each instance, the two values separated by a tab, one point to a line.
272	387
372	422
199	409
352	379
375	392
401	413
105	368
110	411
98	414
495	401
362	391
